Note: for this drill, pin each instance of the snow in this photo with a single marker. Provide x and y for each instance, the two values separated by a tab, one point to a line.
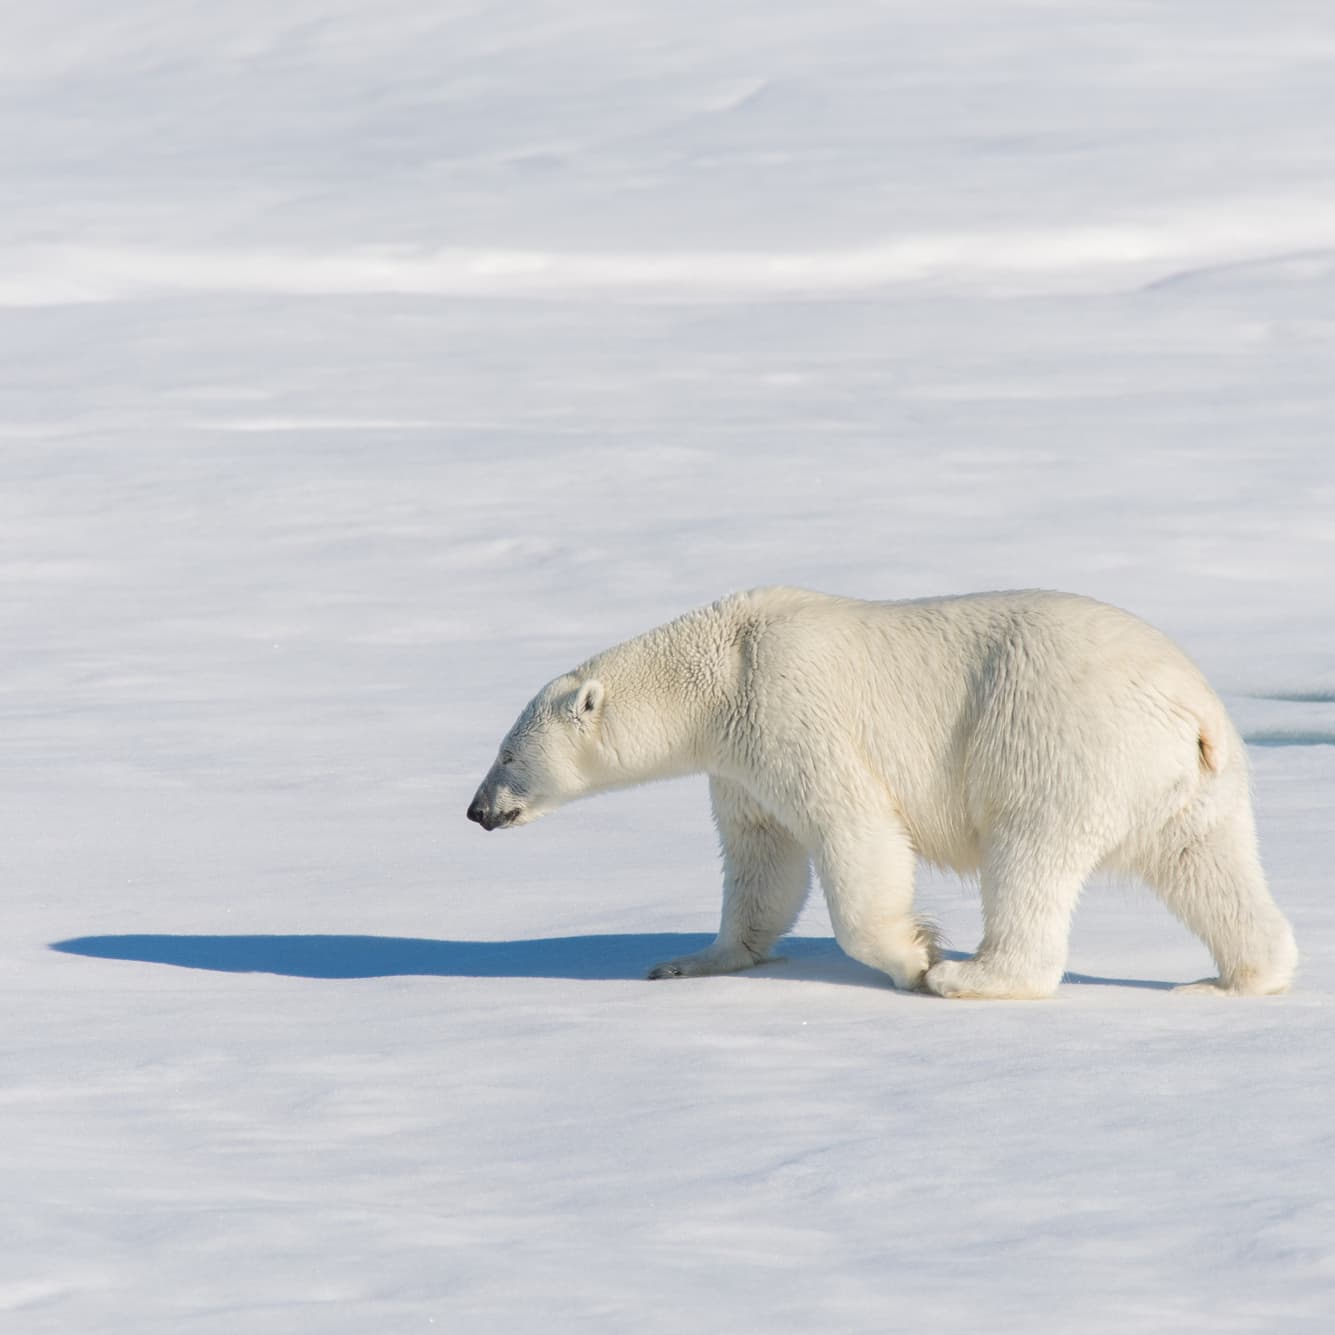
366	366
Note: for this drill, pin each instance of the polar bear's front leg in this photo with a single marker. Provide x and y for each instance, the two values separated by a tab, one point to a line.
766	875
866	867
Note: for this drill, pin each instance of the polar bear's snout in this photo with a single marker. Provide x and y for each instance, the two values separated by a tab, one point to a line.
484	812
494	806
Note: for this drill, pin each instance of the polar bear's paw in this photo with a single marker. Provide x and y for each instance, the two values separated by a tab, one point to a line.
1208	987
669	969
930	938
908	966
714	959
1249	985
977	979
948	978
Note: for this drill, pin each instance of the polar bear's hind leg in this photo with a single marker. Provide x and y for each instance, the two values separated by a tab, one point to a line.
1029	887
1212	881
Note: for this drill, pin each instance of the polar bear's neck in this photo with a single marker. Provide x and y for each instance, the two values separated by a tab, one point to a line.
665	692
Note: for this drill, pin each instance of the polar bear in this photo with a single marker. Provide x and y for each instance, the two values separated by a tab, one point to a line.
1027	738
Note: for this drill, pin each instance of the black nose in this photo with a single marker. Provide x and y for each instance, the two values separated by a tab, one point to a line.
478	813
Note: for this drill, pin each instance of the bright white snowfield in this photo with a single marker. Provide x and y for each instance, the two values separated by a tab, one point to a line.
366	365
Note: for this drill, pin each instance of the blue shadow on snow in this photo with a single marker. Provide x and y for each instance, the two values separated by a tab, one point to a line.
627	955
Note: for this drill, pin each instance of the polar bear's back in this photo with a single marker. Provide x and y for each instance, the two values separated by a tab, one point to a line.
968	642
965	705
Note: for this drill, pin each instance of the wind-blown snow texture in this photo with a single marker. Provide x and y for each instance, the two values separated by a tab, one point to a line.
366	365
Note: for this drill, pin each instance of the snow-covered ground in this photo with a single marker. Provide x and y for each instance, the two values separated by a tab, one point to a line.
364	366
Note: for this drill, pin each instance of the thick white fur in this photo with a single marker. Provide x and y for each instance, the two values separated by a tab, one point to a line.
1029	738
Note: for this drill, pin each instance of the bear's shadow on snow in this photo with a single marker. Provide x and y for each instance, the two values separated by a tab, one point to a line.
585	958
625	956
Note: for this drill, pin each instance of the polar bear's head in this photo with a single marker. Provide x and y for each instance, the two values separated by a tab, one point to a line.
550	756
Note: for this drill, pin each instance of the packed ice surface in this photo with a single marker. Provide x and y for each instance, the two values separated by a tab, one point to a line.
365	366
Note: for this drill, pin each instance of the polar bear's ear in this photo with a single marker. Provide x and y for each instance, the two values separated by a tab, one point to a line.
588	701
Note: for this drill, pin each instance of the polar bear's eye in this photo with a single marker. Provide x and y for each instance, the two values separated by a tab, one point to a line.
507	758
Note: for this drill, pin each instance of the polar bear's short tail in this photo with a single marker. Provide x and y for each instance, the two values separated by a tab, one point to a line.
1217	741
1213	748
